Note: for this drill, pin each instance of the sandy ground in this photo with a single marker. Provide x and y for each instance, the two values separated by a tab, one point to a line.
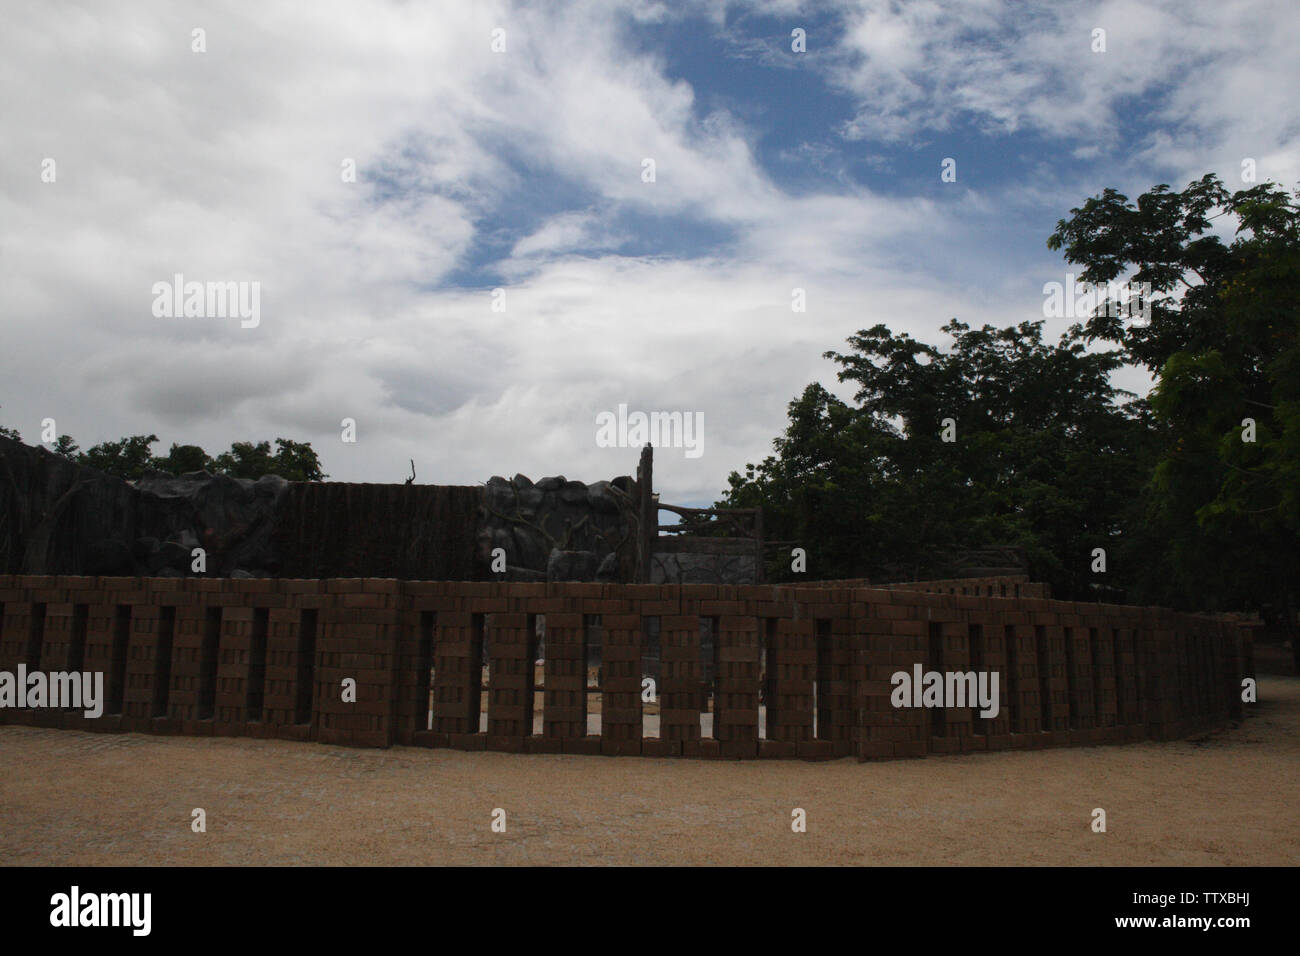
89	799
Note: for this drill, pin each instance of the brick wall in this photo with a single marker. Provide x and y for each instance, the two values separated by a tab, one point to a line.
795	671
1002	585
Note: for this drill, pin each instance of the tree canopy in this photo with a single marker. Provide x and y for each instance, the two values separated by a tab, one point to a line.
130	457
1193	492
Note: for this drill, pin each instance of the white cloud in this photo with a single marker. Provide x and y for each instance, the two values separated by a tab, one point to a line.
1220	76
226	165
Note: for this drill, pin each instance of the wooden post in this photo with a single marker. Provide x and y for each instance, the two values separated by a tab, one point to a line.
649	514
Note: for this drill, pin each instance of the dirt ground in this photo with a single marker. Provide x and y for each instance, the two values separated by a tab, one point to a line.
90	799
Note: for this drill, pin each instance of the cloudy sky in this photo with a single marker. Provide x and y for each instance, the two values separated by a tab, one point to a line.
523	169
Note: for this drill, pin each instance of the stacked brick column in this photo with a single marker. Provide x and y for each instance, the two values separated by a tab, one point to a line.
187	648
835	693
564	712
891	636
357	640
510	687
679	697
620	718
1078	673
990	656
458	646
736	717
422	603
1105	686
954	731
1023	701
792	664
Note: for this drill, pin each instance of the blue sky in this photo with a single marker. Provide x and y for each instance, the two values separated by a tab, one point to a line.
520	170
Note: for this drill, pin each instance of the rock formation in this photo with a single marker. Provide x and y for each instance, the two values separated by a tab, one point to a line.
558	530
59	517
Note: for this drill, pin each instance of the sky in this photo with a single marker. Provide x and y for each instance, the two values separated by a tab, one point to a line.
448	215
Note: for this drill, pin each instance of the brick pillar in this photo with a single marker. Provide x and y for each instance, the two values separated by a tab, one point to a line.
236	641
64	643
996	731
1057	681
1128	708
792	662
1162	677
837	694
620	689
892	637
1023	687
564	707
1105	691
422	603
300	658
19	618
358	640
49	624
108	632
1237	644
954	643
510	694
14	609
174	601
738	686
187	648
56	642
1079	662
137	699
679	714
457	677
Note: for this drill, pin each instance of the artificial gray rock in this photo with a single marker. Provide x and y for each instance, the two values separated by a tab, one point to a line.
531	520
573	493
572	566
608	570
530	500
144	548
172	554
525	574
59	517
529	550
109	557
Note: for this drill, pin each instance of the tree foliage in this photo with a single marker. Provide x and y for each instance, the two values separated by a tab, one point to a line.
1049	455
1041	461
294	461
129	458
1223	498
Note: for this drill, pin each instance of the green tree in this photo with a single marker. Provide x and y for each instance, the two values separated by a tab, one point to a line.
66	447
126	459
293	461
297	461
182	459
10	433
1224	345
245	460
1043	456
